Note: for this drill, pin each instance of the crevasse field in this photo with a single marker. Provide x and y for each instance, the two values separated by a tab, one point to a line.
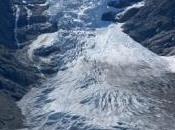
106	80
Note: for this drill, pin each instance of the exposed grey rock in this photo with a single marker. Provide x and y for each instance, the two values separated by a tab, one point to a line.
37	9
162	43
152	21
15	81
10	115
121	3
44	52
32	21
120	6
31	32
109	16
7	24
15	77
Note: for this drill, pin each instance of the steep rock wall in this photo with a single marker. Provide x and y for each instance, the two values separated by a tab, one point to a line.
7	23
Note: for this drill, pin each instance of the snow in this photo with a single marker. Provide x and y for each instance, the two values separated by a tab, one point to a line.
170	62
136	5
101	83
43	40
16	23
113	64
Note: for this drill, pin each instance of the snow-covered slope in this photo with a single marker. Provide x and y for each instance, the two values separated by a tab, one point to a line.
107	81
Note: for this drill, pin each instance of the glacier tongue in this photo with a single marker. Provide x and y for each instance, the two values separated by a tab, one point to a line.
110	81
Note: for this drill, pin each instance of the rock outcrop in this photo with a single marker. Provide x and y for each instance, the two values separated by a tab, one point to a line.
153	26
31	20
15	77
7	24
10	115
121	13
121	3
21	22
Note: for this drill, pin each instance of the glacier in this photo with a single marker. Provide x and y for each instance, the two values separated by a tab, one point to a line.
106	80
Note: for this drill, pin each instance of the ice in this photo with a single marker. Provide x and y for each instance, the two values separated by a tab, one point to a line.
111	79
29	14
43	40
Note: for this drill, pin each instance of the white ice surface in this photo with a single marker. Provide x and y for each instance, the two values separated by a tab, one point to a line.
171	62
110	63
115	61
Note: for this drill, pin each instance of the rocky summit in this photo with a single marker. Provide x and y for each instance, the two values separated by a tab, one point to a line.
87	65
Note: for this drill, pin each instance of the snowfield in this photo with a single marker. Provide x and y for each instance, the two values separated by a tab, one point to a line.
109	82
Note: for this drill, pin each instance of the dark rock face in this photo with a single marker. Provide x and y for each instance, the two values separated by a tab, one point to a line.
31	32
129	14
154	25
7	24
32	20
121	3
29	2
10	115
162	43
109	16
11	72
15	77
22	21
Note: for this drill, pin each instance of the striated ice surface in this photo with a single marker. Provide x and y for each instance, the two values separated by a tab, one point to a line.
107	81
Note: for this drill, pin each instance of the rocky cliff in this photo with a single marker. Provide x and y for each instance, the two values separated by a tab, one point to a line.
21	22
7	24
154	26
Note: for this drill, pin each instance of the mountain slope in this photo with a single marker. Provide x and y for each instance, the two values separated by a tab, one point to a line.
154	26
95	76
7	24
